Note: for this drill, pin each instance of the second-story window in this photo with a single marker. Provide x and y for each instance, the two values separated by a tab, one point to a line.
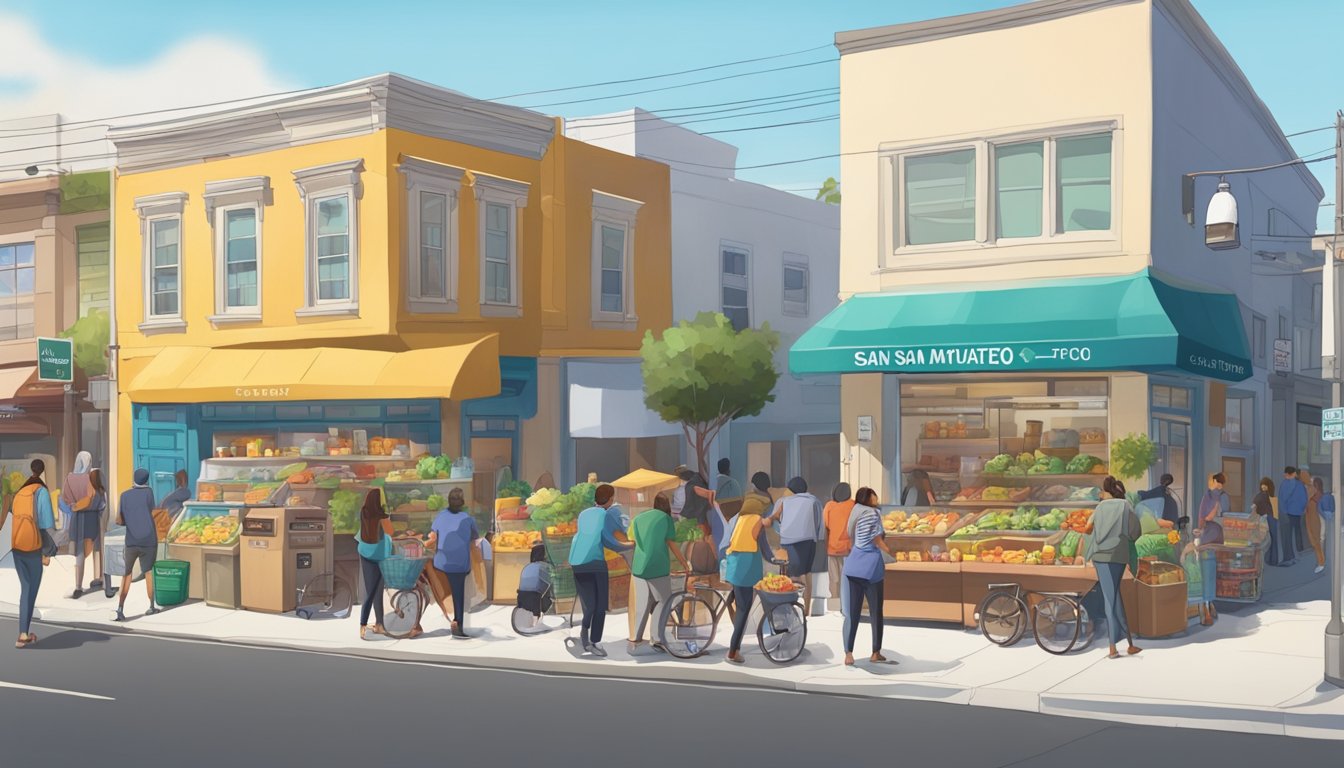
161	235
499	202
331	194
18	281
796	285
735	285
234	207
613	261
432	191
940	197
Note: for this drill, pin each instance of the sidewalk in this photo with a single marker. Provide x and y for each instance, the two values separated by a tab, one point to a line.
1258	669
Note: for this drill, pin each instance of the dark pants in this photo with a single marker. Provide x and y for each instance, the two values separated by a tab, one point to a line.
373	591
29	566
593	585
1291	533
1272	554
860	590
1298	534
743	597
1109	576
458	583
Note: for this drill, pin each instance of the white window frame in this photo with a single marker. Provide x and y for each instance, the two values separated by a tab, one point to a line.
798	262
167	206
321	183
892	157
23	239
729	245
513	194
440	179
254	193
620	213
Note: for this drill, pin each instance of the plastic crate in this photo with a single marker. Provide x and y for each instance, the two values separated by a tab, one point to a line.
562	582
557	547
171	578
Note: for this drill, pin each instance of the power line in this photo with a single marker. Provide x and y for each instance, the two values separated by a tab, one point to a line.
681	85
95	122
684	123
667	74
826	119
653	116
1313	130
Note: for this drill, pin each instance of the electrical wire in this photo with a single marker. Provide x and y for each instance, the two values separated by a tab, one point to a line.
826	119
1313	130
681	85
667	74
96	122
656	116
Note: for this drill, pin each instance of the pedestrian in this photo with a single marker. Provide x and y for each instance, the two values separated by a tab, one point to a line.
654	536
727	491
88	527
172	503
374	543
1115	527
919	493
747	551
697	503
597	529
683	474
1215	503
1327	510
1264	506
802	525
1292	507
757	501
836	515
1312	517
30	543
534	585
865	571
136	512
75	497
453	536
1171	506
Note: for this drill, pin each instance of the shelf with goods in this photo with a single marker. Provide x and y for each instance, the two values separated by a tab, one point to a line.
1239	559
207	531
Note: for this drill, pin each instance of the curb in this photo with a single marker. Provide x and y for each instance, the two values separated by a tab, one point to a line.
1299	722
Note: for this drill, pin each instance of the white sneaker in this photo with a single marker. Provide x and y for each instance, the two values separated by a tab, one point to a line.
1320	568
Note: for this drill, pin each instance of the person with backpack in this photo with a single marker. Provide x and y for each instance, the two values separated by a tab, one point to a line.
31	544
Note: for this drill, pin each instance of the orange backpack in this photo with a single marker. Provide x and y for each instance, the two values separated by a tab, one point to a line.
24	535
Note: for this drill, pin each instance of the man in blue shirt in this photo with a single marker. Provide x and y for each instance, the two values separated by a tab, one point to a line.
136	512
598	529
1292	507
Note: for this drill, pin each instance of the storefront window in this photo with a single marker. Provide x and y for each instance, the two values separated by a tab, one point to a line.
614	457
1239	431
1313	454
1172	435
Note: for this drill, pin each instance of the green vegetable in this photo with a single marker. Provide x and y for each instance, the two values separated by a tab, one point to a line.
1069	546
344	510
1131	456
290	469
1082	464
427	467
516	488
1155	545
687	530
435	503
999	464
1026	460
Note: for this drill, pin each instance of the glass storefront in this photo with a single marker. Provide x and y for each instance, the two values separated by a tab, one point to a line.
1313	454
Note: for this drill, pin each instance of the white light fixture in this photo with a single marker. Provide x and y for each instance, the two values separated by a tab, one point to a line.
1220	223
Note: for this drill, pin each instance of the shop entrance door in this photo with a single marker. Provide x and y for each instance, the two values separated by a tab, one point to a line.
819	459
492	446
161	445
1172	435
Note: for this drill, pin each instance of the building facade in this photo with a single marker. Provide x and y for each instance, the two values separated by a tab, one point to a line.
760	256
384	257
1017	266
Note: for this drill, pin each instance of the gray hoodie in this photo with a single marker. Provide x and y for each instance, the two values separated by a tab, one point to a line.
800	516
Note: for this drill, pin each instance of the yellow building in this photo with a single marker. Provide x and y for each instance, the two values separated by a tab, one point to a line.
383	258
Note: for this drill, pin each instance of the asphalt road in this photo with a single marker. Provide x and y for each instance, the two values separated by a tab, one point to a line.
201	704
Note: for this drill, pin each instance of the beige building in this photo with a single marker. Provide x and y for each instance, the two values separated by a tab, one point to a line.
1016	269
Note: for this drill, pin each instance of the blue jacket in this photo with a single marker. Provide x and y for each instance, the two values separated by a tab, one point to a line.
1293	497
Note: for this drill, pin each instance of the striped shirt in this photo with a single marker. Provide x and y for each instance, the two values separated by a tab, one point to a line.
868	528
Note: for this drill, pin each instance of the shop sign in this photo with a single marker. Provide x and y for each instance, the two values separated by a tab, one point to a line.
55	360
261	393
865	429
1332	424
1283	356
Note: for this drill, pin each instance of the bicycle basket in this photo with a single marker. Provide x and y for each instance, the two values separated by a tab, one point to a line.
557	547
402	572
562	583
771	599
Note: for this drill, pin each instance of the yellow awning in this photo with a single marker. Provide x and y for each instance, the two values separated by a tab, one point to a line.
647	479
203	375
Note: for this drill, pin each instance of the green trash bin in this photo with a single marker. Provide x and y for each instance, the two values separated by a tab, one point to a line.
170	581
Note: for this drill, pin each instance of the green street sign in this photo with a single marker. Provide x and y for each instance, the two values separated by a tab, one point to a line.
55	360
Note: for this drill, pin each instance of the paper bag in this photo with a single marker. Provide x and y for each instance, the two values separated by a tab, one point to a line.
162	522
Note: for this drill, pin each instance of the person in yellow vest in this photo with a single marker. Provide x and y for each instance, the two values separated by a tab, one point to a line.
33	515
748	549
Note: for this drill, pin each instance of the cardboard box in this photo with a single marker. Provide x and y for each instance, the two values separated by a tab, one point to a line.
1157	610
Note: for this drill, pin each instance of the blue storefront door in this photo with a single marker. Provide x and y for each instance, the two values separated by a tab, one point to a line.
163	445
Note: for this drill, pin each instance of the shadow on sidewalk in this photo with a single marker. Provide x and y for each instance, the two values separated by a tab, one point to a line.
67	639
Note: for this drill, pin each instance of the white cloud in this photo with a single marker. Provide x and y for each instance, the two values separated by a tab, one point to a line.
40	78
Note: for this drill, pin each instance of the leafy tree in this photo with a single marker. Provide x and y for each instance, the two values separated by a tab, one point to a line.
703	374
829	192
91	335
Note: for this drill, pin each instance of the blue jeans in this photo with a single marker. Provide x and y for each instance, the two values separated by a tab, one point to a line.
1272	554
29	566
1109	576
743	597
593	585
1291	533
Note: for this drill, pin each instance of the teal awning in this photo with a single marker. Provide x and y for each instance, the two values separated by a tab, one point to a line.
1142	322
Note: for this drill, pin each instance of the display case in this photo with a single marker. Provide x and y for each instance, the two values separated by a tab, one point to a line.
413	503
204	529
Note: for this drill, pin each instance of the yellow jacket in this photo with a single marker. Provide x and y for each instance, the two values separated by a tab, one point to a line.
755	503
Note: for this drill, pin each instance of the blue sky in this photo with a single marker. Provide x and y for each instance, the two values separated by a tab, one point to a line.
494	49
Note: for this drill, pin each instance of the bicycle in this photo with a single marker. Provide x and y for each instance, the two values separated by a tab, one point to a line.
404	577
782	631
528	622
328	591
691	617
1059	620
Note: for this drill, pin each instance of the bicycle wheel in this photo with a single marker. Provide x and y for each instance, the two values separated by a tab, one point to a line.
782	633
1002	617
687	626
526	622
342	598
1086	629
1056	622
403	613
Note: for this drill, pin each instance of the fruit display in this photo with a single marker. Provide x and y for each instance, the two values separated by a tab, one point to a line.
562	529
517	541
205	530
1046	556
776	583
1079	520
1023	519
929	523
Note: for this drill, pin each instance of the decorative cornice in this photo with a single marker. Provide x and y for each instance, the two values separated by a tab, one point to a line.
615	205
416	168
158	205
250	189
356	108
483	184
320	178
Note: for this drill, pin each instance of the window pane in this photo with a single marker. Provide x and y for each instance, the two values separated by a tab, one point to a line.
333	245
734	297
497	247
23	254
1019	173
940	198
7	279
734	263
1180	398
333	216
497	284
241	250
165	234
433	254
738	318
795	279
25	279
432	273
242	223
611	291
613	247
6	255
1161	397
1084	187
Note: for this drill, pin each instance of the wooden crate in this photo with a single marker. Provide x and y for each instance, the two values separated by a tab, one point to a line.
923	592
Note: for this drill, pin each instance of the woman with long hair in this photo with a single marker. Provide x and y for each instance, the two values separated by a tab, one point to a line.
374	542
453	536
33	515
1115	527
919	493
90	495
865	571
1312	520
1264	506
748	550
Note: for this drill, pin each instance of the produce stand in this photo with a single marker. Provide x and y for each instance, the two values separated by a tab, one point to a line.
923	592
208	531
512	553
635	492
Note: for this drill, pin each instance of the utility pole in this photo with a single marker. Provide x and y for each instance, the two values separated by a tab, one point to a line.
1334	630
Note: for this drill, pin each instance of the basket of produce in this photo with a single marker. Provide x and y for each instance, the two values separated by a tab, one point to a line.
901	522
775	589
401	572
